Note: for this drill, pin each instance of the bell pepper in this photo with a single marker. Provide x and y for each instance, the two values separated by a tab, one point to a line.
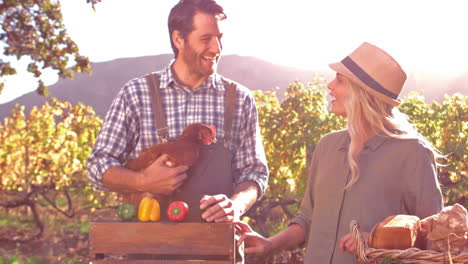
126	211
177	211
149	210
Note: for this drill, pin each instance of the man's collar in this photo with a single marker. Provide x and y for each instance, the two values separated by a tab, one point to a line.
171	80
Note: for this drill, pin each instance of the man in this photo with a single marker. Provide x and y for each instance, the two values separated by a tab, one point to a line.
232	173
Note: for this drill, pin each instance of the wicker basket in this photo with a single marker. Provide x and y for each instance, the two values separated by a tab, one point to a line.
412	255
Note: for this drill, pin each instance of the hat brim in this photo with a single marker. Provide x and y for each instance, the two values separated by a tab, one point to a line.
340	68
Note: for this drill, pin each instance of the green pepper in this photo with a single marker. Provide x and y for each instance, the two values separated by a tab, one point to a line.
126	211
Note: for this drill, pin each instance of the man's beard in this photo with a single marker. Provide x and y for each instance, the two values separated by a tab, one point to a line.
195	62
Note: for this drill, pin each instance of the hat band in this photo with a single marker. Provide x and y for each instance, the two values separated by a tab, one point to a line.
366	78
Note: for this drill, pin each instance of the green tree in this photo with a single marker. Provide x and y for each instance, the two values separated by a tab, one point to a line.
35	30
290	131
445	125
42	158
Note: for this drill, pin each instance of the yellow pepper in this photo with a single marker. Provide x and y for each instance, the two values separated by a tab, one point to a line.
149	210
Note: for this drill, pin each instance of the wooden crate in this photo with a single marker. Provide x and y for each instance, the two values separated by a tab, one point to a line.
168	243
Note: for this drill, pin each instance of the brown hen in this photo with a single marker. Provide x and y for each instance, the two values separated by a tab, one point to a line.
183	151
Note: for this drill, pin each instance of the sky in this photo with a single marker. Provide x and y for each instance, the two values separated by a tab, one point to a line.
427	37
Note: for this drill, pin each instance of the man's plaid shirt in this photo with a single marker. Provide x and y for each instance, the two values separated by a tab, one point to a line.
129	126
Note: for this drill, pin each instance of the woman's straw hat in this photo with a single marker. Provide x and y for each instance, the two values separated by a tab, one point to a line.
374	70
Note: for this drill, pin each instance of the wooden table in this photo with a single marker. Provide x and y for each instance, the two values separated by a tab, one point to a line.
157	242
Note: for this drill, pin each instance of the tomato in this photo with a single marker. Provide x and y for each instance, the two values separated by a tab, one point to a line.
149	210
177	211
126	211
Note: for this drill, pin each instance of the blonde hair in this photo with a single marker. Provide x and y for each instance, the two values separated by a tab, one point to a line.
368	116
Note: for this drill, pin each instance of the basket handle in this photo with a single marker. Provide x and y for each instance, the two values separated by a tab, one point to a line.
361	245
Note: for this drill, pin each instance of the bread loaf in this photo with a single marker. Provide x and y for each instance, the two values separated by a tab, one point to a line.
448	230
395	232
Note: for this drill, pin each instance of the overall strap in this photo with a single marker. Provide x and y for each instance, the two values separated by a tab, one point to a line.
158	111
230	110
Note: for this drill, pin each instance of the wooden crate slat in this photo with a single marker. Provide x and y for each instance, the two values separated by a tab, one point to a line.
161	238
161	262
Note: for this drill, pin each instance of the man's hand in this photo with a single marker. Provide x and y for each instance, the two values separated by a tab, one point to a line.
160	179
219	208
348	244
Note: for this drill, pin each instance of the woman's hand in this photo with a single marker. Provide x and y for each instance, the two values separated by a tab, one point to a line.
256	242
348	244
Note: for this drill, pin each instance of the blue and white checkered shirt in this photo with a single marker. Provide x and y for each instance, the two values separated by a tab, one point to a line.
129	126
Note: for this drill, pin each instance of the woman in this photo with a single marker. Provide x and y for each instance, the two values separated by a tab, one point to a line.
378	166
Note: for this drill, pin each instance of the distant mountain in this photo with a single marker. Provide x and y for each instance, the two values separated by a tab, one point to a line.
99	89
435	88
459	85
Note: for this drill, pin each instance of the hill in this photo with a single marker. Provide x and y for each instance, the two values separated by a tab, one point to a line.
98	89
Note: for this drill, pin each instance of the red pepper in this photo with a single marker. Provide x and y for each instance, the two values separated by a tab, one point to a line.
177	211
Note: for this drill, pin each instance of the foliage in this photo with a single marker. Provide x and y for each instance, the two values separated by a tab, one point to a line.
42	158
445	125
35	29
291	129
390	260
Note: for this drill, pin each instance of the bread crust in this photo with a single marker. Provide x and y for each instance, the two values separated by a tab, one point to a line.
396	232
